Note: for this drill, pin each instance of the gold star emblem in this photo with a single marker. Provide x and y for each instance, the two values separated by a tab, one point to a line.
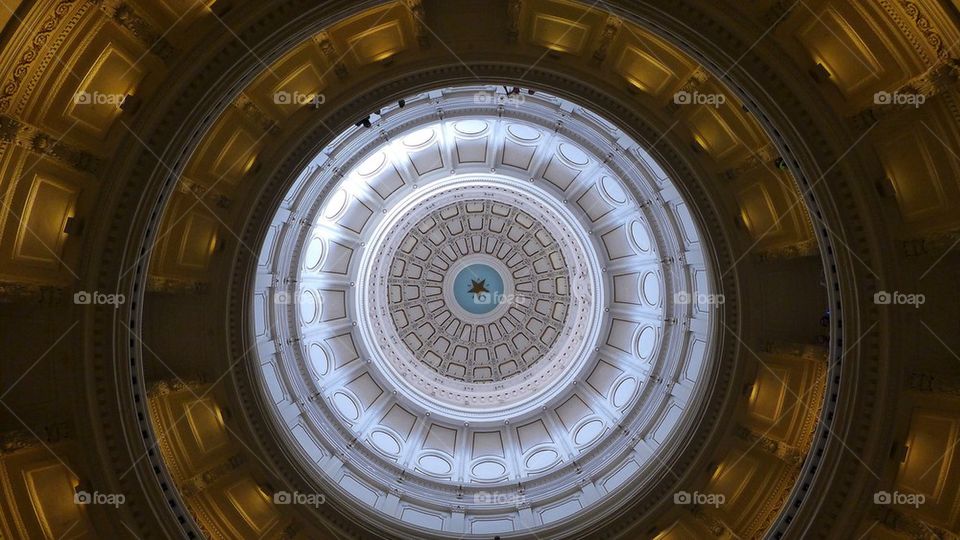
478	287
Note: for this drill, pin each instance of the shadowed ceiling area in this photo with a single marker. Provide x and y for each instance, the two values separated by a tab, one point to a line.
443	269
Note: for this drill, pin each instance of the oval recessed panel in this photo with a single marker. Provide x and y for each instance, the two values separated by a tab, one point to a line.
419	138
471	127
488	470
319	360
346	406
372	164
434	465
542	459
385	442
624	391
613	189
573	154
588	432
313	254
336	204
651	288
309	306
641	240
646	341
522	132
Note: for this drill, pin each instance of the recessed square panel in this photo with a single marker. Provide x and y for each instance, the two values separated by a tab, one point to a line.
96	102
559	34
40	235
378	43
643	70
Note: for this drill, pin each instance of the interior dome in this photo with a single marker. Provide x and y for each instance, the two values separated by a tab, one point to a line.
480	303
497	348
308	270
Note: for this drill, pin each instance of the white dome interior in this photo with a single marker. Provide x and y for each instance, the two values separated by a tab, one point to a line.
478	424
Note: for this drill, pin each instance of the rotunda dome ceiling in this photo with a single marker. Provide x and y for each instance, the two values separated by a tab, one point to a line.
477	301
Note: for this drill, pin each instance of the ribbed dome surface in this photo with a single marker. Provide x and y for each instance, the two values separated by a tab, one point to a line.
480	300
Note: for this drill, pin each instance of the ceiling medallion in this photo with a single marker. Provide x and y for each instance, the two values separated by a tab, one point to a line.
447	351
